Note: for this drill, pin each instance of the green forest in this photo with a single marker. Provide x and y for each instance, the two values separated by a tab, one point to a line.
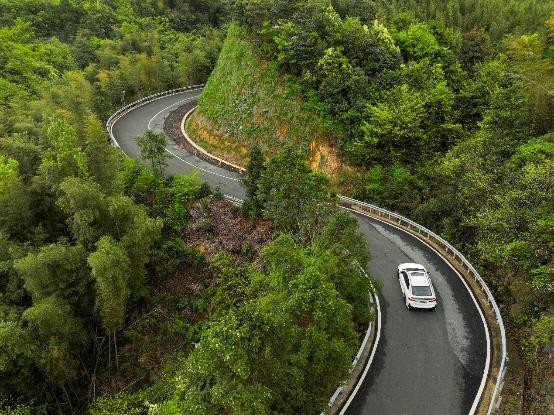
121	291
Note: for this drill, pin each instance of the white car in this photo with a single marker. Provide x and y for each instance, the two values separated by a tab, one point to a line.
416	286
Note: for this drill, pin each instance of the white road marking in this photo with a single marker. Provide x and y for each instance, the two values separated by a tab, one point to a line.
120	116
175	155
370	360
200	168
166	108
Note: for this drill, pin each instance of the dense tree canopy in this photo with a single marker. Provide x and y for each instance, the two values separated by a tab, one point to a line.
75	240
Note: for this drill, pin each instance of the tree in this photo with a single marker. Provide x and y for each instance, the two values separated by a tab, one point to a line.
63	158
514	228
104	160
137	238
27	61
384	54
85	205
392	186
499	16
21	148
219	373
394	126
281	351
506	124
110	269
59	336
183	189
18	357
326	337
252	205
364	9
370	47
15	207
57	270
344	254
93	215
475	96
233	287
528	64
476	47
297	200
8	172
339	83
283	260
414	120
418	42
152	149
12	292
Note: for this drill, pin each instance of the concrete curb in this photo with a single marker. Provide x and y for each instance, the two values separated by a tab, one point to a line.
199	152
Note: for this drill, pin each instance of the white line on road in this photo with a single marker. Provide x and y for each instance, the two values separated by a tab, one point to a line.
200	168
166	108
368	364
175	155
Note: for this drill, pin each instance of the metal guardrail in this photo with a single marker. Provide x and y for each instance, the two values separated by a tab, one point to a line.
495	400
142	101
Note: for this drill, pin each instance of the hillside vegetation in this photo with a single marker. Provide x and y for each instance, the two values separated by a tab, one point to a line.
442	110
247	101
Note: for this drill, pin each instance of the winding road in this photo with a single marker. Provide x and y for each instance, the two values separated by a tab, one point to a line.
425	362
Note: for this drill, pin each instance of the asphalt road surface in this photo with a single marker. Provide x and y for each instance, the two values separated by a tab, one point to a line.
426	362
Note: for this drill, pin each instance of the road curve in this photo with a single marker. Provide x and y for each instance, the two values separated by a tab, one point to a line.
426	362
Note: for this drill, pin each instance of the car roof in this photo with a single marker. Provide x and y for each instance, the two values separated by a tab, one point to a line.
408	265
419	280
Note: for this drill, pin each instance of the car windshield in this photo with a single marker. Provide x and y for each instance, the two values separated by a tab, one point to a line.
421	290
